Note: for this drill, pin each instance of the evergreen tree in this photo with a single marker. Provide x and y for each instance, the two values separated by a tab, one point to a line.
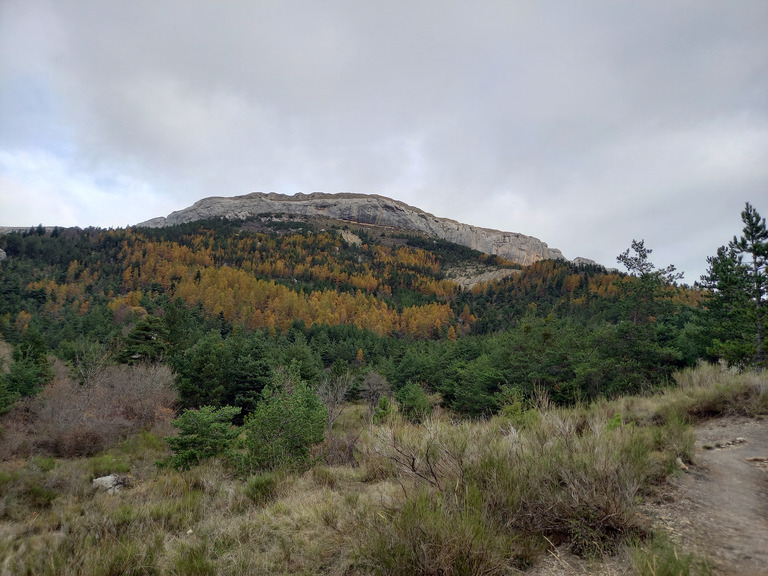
288	421
738	291
203	434
643	293
754	244
8	396
147	342
31	369
413	401
728	318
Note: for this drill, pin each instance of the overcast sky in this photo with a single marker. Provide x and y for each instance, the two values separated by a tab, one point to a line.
583	123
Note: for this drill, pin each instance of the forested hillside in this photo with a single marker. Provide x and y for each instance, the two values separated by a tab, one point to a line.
292	293
282	396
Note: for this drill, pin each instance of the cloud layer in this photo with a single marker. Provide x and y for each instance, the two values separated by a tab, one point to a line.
585	124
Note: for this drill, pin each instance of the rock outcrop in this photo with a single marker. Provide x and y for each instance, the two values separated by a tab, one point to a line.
366	209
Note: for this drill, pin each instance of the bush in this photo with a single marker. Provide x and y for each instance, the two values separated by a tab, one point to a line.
413	401
68	419
8	396
382	411
563	481
288	421
42	463
709	391
203	434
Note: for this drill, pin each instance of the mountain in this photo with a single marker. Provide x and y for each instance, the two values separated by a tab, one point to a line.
366	209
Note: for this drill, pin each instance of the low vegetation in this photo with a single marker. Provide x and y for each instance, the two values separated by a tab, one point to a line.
435	496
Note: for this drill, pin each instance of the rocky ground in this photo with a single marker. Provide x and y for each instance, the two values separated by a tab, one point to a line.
468	276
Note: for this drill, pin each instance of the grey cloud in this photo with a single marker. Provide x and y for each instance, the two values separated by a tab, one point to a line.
582	123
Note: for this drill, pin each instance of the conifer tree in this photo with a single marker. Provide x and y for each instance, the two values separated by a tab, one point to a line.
753	244
729	310
737	280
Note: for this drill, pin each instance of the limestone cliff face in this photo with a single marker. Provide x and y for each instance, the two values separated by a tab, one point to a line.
367	209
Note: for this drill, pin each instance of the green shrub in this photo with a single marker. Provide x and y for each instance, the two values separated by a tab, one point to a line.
513	408
5	478
37	496
203	434
615	422
42	463
413	401
383	410
285	424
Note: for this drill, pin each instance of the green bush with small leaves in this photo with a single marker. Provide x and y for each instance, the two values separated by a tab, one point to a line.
203	434
413	401
285	424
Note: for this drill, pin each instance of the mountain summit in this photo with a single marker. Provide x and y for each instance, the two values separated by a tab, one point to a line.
366	209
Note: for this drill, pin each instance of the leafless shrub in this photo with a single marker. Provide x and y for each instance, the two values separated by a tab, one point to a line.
340	450
436	453
143	394
85	440
333	391
374	388
69	419
540	398
90	362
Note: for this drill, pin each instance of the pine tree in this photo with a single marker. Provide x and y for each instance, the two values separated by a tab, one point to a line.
643	294
754	244
729	311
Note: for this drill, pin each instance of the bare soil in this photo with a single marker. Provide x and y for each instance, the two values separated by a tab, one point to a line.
718	508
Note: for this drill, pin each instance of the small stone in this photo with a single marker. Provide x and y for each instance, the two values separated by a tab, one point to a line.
112	483
190	532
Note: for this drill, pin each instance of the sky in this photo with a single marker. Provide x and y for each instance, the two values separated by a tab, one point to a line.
585	123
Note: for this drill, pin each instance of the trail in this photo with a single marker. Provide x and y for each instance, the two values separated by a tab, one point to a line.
719	507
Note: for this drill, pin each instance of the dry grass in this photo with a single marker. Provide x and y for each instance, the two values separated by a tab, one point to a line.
445	497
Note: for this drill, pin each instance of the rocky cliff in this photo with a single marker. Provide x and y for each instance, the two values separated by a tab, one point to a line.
367	209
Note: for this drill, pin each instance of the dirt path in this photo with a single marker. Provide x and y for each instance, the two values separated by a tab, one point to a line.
719	507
